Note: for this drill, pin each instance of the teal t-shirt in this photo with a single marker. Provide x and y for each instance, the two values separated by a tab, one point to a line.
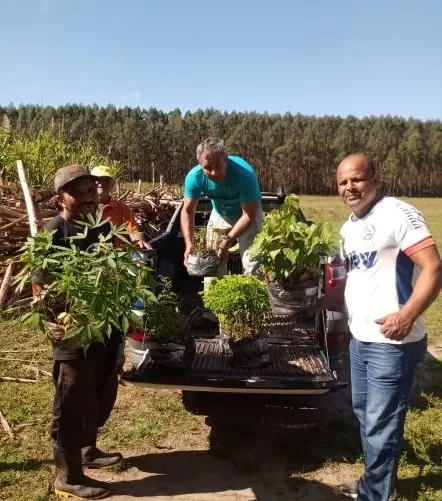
239	186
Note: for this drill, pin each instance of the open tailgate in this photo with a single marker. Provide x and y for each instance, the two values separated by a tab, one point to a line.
297	365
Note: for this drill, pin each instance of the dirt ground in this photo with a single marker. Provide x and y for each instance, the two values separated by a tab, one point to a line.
256	469
193	475
200	469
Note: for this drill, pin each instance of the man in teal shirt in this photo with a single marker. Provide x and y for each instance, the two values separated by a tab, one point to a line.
231	184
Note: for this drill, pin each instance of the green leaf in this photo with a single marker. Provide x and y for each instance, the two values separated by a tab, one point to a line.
111	263
125	324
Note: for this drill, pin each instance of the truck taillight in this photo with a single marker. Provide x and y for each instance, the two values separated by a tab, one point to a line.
336	338
137	336
335	273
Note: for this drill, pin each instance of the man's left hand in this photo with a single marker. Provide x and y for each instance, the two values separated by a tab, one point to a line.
395	326
223	249
142	244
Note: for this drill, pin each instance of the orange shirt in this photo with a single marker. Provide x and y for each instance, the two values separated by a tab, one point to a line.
118	213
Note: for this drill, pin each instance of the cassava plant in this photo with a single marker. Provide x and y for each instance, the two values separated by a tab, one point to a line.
290	250
89	293
241	303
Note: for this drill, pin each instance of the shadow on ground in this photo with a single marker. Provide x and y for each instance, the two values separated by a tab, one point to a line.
202	476
428	377
258	447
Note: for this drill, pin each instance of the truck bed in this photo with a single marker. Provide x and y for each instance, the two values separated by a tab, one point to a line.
299	354
297	364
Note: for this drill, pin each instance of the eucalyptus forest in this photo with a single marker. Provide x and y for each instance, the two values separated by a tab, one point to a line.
294	152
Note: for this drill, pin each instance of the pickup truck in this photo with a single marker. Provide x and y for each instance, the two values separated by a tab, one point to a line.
307	354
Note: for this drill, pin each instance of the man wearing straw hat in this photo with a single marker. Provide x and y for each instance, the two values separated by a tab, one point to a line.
114	210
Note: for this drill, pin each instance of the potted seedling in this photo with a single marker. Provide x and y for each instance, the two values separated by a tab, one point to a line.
166	330
203	260
291	253
241	303
87	294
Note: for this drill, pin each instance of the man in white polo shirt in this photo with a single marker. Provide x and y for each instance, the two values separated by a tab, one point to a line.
394	274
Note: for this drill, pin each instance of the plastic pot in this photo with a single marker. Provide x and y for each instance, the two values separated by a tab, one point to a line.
203	266
173	355
249	353
300	299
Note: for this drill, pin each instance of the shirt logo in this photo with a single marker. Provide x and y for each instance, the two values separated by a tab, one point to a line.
360	261
415	219
368	232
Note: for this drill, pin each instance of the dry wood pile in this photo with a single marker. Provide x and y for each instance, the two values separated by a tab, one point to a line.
152	210
14	226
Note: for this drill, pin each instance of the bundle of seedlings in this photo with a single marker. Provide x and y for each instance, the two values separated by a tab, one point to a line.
291	253
203	261
241	303
168	339
87	294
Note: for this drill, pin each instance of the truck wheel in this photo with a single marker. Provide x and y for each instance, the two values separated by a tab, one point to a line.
195	402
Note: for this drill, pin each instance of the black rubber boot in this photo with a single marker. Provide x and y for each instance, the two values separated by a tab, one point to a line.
71	481
93	457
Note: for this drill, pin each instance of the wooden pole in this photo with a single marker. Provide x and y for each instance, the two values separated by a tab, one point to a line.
153	175
5	285
161	181
28	198
139	185
16	379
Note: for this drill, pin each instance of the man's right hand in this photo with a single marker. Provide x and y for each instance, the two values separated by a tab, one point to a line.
189	249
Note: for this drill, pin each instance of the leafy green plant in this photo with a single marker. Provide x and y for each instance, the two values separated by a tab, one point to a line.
86	293
290	250
423	431
201	245
164	320
241	303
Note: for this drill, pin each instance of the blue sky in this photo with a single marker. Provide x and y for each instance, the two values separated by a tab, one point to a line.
314	57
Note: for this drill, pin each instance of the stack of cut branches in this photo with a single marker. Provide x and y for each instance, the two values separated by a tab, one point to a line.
14	226
153	209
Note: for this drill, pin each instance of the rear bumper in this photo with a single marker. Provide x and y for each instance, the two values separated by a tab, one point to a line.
221	383
232	390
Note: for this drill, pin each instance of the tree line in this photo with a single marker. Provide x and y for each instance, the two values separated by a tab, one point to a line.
295	152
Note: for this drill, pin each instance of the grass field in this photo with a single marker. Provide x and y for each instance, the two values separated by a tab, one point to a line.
149	421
